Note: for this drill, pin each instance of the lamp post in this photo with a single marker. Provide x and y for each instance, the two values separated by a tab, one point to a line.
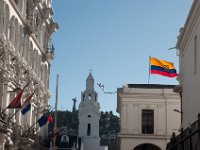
55	123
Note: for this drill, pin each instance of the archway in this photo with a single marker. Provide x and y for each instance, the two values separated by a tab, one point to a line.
146	146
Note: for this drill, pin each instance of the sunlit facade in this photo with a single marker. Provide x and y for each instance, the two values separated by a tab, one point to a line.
148	116
26	51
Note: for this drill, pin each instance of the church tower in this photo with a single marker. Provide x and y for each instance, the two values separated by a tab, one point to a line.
89	114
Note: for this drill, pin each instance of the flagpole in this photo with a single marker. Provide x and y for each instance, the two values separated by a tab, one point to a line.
149	69
14	114
2	113
56	105
31	126
35	124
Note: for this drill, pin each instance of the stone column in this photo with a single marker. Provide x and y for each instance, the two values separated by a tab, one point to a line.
2	141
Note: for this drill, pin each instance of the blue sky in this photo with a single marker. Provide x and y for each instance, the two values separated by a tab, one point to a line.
114	38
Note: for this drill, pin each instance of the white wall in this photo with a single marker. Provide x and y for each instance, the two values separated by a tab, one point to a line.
188	78
132	101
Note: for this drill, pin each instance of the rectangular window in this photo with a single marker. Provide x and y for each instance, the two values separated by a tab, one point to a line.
147	121
88	129
195	54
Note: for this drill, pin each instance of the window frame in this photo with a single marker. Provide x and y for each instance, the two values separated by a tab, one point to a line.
147	121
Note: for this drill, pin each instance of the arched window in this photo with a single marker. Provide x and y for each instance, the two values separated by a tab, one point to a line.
6	20
36	17
34	60
11	30
26	46
21	40
47	76
42	35
1	16
83	97
39	66
24	3
41	72
30	51
44	74
17	70
46	40
89	96
17	41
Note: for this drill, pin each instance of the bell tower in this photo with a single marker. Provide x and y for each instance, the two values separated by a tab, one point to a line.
89	114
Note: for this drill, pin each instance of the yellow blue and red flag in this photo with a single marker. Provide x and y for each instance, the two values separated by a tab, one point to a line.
162	67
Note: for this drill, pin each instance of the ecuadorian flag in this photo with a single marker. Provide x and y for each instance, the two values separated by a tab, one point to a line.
162	67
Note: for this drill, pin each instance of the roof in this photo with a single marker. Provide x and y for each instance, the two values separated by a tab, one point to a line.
151	86
186	27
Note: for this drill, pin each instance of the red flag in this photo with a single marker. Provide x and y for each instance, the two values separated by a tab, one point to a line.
27	101
50	119
16	102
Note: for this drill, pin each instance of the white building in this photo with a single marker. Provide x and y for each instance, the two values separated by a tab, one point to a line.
147	116
26	27
88	115
188	45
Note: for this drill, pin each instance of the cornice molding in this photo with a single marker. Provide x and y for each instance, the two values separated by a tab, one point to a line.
189	27
150	96
143	136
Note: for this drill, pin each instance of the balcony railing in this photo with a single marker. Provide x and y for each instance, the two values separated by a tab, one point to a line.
188	139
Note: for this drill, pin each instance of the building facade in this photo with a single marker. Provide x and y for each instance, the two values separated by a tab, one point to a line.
188	45
88	115
148	116
26	28
189	63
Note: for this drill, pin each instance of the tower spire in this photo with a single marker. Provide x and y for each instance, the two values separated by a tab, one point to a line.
90	82
88	115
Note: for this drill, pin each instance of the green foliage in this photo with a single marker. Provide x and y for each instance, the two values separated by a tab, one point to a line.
65	118
108	125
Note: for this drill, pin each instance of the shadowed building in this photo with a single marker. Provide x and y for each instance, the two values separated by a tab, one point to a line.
189	81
